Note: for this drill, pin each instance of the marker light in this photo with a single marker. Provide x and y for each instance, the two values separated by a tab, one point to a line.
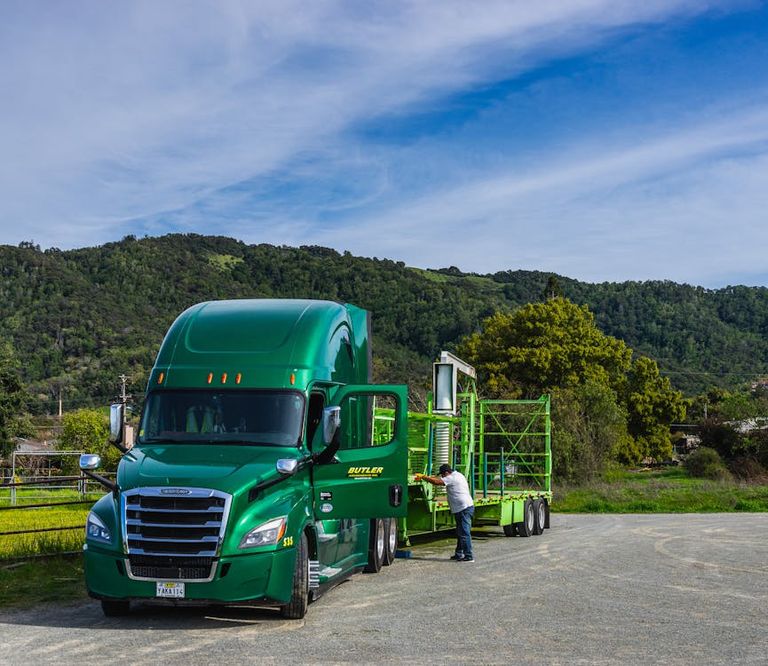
224	378
238	377
210	377
293	379
160	378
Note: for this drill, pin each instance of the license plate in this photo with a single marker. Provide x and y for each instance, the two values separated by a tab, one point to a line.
172	590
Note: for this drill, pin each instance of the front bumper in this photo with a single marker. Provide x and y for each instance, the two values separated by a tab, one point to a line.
257	577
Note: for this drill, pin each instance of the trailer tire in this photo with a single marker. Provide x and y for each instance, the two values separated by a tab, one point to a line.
510	530
296	608
539	516
115	607
525	529
390	536
376	546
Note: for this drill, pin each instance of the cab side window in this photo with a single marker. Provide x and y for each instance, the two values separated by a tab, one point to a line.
367	420
314	415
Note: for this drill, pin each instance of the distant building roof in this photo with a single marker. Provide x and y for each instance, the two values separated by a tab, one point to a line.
32	445
748	425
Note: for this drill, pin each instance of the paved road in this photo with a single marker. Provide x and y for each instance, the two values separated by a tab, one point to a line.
674	589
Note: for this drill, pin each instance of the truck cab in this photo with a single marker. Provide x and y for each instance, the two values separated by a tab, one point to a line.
257	476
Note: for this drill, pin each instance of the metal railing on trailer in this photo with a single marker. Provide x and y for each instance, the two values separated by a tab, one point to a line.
514	446
503	447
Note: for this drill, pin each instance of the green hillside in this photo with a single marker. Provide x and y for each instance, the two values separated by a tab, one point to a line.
77	319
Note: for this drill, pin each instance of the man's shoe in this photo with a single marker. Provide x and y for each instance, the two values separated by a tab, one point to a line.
457	557
467	559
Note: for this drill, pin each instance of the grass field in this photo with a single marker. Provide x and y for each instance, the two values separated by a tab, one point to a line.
14	546
37	581
668	490
38	578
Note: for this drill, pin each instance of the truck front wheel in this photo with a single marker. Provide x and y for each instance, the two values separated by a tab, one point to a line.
296	608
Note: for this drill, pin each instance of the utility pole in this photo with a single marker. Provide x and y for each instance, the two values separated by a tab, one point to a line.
61	394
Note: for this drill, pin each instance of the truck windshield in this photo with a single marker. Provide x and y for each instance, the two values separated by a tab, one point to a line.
272	418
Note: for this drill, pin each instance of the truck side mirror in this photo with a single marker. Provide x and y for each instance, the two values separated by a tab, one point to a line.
331	423
89	461
287	466
116	416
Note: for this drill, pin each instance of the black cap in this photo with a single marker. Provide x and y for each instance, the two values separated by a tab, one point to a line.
444	469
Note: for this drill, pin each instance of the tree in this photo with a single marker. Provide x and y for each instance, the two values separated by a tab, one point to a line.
12	400
604	406
88	430
541	346
652	405
589	428
553	289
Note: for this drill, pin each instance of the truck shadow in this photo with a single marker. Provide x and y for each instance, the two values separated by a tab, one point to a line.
144	616
423	545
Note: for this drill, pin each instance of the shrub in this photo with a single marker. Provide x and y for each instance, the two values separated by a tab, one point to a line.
706	463
748	469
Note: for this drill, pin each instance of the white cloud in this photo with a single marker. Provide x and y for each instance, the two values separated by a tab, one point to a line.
114	112
689	207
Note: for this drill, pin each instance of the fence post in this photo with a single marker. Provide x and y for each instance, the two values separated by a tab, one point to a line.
13	479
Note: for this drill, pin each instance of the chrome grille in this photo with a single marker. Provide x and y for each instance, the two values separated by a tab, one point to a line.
174	533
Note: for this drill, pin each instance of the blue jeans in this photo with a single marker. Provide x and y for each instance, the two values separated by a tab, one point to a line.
463	526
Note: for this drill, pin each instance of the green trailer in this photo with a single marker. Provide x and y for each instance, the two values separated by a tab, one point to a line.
503	448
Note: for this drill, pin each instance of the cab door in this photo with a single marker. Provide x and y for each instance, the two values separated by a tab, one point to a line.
368	476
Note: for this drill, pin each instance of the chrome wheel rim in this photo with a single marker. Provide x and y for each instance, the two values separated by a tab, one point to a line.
380	538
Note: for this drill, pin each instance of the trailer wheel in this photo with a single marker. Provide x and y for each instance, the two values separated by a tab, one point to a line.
390	532
115	607
296	608
539	515
376	546
525	529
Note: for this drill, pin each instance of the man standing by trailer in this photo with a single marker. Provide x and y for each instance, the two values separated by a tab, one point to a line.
462	507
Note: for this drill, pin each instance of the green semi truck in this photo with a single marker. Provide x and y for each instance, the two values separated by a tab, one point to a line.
267	467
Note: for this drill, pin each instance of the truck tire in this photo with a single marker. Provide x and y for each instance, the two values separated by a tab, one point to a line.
390	533
539	516
115	607
296	608
525	529
376	546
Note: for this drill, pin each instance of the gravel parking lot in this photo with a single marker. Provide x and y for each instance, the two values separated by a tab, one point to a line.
593	589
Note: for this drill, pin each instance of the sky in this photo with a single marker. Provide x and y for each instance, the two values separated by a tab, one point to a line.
603	140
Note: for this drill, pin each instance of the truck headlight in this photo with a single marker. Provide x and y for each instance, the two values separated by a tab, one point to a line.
96	530
266	534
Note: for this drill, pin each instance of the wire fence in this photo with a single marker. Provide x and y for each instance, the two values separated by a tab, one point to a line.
30	528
